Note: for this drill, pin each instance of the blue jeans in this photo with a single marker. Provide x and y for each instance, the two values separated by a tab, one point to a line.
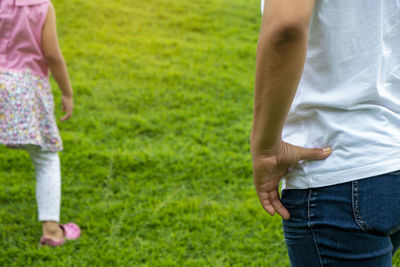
350	224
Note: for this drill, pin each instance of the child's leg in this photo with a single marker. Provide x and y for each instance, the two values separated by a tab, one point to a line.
48	183
48	189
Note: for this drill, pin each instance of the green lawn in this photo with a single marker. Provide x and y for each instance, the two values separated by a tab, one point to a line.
156	167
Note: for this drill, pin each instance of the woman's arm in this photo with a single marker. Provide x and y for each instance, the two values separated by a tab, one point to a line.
281	57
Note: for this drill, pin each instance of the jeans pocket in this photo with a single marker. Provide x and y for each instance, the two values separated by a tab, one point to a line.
376	203
295	201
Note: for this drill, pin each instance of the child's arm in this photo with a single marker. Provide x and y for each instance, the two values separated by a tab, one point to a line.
56	62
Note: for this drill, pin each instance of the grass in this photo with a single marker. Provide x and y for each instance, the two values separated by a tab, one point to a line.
156	167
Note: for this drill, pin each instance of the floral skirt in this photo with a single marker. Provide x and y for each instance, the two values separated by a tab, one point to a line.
27	112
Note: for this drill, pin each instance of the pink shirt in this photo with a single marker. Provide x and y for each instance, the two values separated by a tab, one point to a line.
21	26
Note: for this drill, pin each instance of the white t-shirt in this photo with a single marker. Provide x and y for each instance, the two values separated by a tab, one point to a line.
349	94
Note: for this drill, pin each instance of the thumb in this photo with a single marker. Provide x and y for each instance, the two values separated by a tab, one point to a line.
63	105
314	153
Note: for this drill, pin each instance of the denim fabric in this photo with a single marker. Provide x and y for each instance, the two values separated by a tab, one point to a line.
350	224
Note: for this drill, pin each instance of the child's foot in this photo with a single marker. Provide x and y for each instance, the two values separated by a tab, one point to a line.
55	234
52	230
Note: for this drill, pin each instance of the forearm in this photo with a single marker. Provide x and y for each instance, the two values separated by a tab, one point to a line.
279	66
59	71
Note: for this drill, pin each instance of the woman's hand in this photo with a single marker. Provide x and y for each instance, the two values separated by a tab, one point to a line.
270	166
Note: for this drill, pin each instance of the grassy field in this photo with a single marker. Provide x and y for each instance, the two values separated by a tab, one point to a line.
156	167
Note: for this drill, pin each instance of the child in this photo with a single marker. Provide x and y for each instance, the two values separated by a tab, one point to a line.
28	51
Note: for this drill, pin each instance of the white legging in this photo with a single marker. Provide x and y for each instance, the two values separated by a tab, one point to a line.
48	183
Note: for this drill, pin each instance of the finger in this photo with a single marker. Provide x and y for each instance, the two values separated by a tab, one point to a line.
314	153
266	203
64	106
66	117
269	209
280	209
278	206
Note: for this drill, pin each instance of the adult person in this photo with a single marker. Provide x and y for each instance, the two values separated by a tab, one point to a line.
327	121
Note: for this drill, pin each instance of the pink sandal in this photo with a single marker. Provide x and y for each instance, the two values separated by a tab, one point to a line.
71	232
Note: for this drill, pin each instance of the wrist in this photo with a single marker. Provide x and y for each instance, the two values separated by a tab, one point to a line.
265	147
69	94
265	140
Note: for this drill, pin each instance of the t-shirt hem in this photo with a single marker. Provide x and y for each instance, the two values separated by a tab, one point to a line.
344	176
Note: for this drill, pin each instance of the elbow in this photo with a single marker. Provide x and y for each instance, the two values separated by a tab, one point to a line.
53	58
288	32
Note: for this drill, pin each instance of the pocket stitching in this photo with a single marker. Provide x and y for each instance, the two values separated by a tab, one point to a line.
356	208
